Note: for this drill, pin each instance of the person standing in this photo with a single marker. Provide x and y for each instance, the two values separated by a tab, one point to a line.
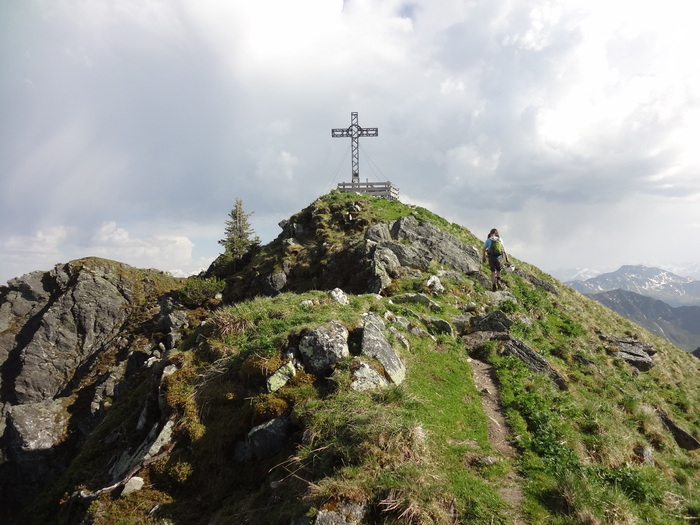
495	251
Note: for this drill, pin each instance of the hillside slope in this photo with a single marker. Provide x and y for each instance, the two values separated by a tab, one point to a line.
680	325
359	370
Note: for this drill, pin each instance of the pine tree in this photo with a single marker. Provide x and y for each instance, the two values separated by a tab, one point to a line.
239	234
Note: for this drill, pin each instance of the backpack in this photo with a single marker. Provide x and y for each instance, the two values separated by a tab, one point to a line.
496	247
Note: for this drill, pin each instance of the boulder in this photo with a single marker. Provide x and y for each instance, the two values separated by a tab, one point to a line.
37	426
375	344
434	285
410	243
683	438
439	326
535	361
89	309
496	321
364	377
339	296
264	440
324	346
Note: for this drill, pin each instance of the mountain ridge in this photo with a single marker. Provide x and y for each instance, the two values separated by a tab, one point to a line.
644	280
261	392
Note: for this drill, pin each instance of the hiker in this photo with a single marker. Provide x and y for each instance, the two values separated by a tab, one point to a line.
496	252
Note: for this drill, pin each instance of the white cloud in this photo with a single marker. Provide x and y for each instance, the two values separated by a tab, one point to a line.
167	252
136	125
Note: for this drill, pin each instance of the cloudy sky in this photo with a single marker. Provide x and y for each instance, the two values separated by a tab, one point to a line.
128	128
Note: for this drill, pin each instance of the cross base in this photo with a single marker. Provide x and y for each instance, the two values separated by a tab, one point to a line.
386	190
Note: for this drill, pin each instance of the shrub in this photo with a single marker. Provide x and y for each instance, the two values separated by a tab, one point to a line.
198	291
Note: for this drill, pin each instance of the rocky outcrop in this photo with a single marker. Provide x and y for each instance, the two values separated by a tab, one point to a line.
69	339
637	354
409	243
372	257
683	438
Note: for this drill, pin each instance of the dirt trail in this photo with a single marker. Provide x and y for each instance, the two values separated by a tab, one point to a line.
499	436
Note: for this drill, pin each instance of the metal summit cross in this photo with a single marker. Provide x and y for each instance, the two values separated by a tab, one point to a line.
355	132
379	189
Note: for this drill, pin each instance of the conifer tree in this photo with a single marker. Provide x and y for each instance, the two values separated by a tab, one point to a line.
239	234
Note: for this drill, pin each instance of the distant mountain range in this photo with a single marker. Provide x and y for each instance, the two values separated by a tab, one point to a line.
660	301
691	270
644	280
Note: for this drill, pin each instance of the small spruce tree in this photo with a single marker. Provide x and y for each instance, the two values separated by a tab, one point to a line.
239	234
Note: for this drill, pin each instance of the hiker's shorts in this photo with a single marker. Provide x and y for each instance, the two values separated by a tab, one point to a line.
496	263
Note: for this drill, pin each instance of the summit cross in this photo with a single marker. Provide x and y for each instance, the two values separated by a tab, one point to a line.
355	132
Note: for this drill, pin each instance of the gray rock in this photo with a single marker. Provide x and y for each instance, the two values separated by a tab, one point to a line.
384	266
38	426
439	326
644	454
324	346
133	485
462	323
430	243
265	440
275	283
417	298
434	285
72	329
400	337
410	244
344	513
399	320
375	344
496	321
364	377
683	438
634	352
339	296
535	361
149	447
281	377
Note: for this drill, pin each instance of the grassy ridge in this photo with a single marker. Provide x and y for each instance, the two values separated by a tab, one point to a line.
407	452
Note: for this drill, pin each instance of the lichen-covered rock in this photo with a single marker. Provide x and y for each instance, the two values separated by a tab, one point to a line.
324	346
281	377
364	377
89	308
434	285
